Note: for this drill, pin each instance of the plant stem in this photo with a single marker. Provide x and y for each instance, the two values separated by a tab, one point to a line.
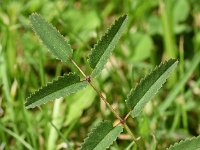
108	104
99	93
74	63
127	115
122	121
129	131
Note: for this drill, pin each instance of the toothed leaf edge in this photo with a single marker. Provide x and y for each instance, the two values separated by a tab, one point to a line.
149	86
51	38
102	136
60	87
190	144
102	50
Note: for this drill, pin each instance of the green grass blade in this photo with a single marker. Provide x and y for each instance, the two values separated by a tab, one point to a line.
63	86
168	35
103	49
149	86
57	121
17	137
190	144
51	38
102	136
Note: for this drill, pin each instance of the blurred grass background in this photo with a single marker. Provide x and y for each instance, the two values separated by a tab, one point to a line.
157	30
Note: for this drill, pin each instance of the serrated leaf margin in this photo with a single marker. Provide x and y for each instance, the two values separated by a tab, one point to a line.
29	104
93	65
134	108
92	132
184	141
61	36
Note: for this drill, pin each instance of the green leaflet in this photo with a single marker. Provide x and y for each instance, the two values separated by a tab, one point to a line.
190	144
102	136
51	38
181	83
149	86
103	49
63	86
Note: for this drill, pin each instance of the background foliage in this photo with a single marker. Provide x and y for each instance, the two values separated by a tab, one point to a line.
157	30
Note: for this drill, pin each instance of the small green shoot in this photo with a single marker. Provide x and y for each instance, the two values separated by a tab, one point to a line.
101	137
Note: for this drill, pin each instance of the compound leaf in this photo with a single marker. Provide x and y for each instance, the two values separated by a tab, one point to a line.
149	86
63	86
103	49
51	38
102	136
190	144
